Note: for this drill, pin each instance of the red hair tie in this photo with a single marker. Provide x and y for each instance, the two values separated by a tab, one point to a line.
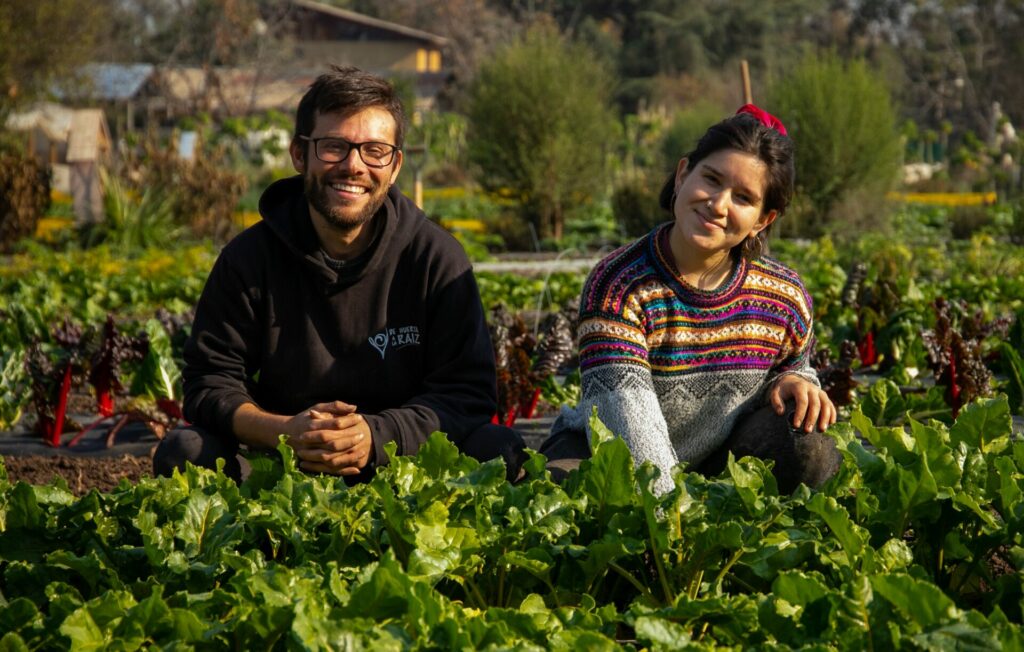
765	118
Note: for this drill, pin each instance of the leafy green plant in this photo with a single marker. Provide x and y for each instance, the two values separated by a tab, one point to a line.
14	394
133	221
915	543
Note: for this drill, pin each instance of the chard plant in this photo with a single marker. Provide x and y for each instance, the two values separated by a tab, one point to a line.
914	544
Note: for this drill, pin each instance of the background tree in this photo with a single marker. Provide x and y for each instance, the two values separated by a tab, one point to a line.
540	125
42	43
842	120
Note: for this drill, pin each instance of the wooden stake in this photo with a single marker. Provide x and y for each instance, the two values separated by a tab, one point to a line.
417	187
748	97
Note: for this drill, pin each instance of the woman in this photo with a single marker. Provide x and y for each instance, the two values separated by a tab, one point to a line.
692	342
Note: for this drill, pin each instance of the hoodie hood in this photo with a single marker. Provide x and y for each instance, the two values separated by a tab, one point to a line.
285	212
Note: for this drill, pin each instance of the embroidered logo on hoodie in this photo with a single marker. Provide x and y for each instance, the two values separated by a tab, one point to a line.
395	338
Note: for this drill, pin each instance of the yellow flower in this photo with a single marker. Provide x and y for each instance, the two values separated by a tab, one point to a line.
944	198
245	219
47	228
473	226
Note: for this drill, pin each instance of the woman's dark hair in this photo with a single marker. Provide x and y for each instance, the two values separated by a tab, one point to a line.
348	91
745	133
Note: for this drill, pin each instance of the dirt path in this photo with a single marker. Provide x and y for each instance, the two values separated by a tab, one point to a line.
81	473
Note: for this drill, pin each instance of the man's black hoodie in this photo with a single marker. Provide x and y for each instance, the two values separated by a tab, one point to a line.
404	339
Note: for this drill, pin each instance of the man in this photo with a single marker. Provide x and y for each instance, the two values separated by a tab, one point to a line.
344	319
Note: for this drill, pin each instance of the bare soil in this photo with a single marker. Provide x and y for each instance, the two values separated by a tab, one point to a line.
81	473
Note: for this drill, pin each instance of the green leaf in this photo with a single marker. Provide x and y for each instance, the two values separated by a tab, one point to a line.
22	509
895	555
11	642
599	433
158	375
962	637
535	561
982	423
1011	493
19	614
607	478
439	458
385	594
751	478
91	626
921	602
884	404
570	640
798	588
208	526
849	535
90	567
1013	367
662	634
932	443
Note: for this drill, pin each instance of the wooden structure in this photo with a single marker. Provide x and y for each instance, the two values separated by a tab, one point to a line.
307	36
322	33
73	143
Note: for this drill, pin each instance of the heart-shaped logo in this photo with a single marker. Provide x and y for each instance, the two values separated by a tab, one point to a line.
380	342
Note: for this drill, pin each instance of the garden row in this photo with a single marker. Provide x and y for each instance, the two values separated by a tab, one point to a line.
940	320
915	544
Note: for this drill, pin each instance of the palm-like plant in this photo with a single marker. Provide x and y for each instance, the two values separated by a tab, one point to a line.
133	220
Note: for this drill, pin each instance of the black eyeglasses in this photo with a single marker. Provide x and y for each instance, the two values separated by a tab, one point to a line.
335	150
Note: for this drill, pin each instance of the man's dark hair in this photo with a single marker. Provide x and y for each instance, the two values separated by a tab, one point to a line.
745	133
348	90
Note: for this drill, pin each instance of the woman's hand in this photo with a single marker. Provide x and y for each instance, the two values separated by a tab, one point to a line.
813	406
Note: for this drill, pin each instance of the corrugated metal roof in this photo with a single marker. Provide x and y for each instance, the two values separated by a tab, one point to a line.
116	81
53	119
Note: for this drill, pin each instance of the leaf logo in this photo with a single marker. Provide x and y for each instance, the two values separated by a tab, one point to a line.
380	342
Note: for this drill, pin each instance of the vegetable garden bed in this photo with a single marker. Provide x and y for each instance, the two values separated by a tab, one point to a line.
914	544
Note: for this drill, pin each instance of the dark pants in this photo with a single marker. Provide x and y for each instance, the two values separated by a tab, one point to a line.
202	448
810	458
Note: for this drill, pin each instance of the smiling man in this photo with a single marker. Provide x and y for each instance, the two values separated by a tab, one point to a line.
344	319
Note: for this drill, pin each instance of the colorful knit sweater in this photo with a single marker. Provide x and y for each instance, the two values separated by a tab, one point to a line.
670	367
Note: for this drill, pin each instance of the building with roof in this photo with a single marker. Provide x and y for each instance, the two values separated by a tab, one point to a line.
74	143
307	36
323	33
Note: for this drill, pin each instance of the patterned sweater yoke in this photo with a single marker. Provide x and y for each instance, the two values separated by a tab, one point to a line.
670	367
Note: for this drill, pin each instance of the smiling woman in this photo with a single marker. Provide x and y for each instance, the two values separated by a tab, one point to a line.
693	343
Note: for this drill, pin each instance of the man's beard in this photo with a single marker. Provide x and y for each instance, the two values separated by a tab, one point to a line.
340	217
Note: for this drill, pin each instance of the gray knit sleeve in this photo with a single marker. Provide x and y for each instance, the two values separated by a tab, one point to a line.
628	405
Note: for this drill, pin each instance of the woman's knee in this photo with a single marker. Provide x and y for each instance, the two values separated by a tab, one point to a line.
800	457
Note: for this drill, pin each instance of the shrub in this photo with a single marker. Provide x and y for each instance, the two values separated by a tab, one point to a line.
841	118
1017	224
540	126
688	125
964	221
204	194
24	196
635	206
